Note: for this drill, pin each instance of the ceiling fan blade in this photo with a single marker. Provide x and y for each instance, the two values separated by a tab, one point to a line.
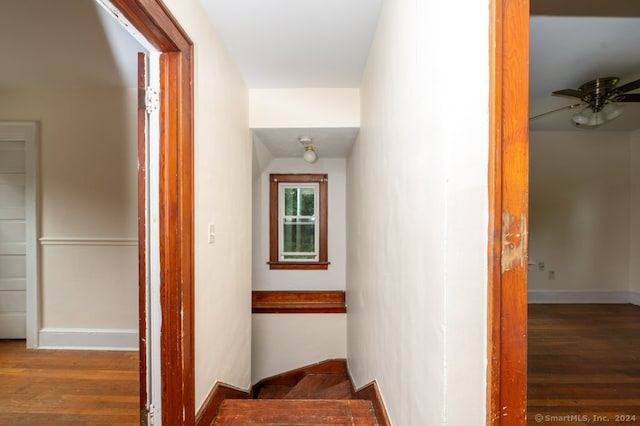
556	110
629	86
628	97
569	92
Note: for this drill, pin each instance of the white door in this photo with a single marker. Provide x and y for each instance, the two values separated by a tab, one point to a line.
13	272
18	246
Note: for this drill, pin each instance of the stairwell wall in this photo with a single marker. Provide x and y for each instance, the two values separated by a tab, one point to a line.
417	215
223	155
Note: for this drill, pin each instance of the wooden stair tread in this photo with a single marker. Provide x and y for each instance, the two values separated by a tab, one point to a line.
314	384
281	412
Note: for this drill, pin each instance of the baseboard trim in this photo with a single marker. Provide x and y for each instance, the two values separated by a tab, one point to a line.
211	405
588	296
89	339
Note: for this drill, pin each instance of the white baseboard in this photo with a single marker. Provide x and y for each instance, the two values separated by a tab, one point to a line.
584	296
103	339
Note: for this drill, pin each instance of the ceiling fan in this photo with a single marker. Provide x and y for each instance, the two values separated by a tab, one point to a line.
601	97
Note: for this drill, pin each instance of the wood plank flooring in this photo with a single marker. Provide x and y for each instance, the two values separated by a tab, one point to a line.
584	364
59	387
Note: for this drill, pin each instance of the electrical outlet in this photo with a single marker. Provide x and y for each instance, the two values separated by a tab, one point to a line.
552	275
540	266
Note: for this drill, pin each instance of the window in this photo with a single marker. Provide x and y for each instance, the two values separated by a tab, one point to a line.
298	221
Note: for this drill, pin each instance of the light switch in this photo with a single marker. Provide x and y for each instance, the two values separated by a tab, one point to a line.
211	236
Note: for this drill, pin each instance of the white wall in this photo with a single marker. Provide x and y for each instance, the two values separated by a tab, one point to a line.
634	215
334	277
292	108
417	215
579	222
88	199
223	156
283	342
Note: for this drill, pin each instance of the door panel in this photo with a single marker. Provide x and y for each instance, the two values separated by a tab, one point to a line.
12	240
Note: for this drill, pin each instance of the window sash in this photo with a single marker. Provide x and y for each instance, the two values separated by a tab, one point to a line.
297	222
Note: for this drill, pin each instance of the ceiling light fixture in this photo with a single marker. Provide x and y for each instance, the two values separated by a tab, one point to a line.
593	117
309	155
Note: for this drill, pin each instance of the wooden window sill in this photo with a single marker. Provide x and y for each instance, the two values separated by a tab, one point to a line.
299	265
298	302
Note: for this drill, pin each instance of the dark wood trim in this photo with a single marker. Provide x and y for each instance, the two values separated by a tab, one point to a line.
495	193
211	406
614	8
274	262
299	265
154	21
371	392
324	221
142	236
508	212
298	302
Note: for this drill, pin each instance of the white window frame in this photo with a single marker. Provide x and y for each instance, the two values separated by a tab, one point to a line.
285	256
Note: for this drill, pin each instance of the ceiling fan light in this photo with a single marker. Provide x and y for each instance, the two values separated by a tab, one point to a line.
582	118
612	111
597	119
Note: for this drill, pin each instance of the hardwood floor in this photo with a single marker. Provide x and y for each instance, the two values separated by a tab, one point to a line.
584	364
58	387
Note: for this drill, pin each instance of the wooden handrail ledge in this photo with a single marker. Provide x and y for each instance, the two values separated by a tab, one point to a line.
298	302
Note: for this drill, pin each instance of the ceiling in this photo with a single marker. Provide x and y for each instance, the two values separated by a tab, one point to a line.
566	52
327	142
297	43
572	43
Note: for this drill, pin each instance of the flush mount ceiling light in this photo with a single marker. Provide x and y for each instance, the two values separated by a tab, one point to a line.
309	155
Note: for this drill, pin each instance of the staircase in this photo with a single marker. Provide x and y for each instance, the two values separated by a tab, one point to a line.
317	395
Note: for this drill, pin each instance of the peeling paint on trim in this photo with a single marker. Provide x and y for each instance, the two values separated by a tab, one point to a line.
514	241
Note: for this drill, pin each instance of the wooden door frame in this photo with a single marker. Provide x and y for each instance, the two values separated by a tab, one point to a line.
154	22
508	212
